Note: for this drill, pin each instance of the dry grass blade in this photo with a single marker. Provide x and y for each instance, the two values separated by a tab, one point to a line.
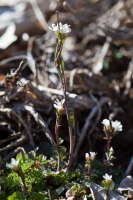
28	132
17	143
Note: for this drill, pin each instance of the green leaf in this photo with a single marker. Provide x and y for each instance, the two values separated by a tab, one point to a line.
25	166
38	196
62	67
22	158
16	196
13	181
105	65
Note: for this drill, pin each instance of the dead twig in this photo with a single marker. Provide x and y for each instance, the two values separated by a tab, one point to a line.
43	124
98	65
11	95
13	111
17	143
129	77
13	153
129	168
12	78
93	112
10	59
39	14
55	91
25	126
97	118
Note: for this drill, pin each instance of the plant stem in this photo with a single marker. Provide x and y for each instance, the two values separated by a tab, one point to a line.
63	82
107	195
58	145
108	144
24	184
69	128
108	150
89	171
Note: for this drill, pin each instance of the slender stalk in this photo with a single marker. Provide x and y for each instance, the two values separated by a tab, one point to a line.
63	82
89	172
23	182
108	143
24	185
108	150
69	128
58	145
107	195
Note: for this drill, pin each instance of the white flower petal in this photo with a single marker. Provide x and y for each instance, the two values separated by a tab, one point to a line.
87	156
111	149
13	161
107	177
9	165
117	125
106	122
60	28
63	101
93	154
58	104
17	162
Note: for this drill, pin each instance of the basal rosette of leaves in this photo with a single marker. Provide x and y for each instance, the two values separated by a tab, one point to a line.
44	182
41	179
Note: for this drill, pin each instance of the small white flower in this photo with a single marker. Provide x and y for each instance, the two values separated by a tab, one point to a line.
60	28
117	125
85	198
93	155
14	163
90	155
87	156
54	27
59	104
111	149
106	122
107	177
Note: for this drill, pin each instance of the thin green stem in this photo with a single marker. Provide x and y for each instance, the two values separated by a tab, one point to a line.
58	145
63	82
69	128
23	182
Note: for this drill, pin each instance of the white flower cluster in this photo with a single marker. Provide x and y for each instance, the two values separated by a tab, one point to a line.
108	182
14	163
59	104
107	177
90	155
60	28
114	124
117	125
